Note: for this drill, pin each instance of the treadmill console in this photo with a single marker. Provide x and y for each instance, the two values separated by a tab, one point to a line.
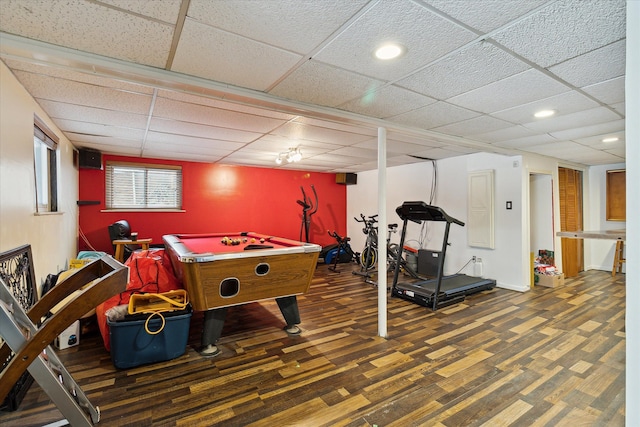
420	211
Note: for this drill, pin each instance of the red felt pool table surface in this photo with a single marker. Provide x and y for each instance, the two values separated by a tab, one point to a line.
218	275
213	242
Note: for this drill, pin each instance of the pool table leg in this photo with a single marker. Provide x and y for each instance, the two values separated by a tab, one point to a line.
289	308
213	324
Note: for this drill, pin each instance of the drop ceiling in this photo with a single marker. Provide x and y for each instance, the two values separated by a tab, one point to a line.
240	81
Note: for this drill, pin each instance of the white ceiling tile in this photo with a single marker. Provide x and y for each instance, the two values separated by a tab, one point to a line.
434	115
596	66
565	103
275	144
393	136
60	110
397	147
528	141
572	121
474	126
425	36
89	27
595	141
361	153
343	127
386	102
485	15
107	147
299	131
96	129
337	159
167	13
619	152
54	89
579	153
206	52
182	148
470	68
565	29
202	131
620	108
288	24
223	105
321	84
513	132
192	113
608	92
560	149
189	157
181	141
585	131
528	86
105	141
76	76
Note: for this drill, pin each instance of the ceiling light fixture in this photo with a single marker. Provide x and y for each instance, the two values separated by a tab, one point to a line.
389	51
544	113
291	156
610	139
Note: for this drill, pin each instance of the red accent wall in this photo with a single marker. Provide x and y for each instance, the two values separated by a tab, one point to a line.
221	198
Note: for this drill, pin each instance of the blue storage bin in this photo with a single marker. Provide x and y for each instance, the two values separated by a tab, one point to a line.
132	345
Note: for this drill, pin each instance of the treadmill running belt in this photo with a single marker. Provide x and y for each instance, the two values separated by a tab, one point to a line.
457	285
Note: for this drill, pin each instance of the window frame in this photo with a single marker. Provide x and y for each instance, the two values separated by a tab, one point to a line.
145	168
45	169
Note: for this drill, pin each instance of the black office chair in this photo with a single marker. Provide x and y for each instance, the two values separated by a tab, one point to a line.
121	230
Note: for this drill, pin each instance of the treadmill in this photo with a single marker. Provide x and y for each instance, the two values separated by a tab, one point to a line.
442	290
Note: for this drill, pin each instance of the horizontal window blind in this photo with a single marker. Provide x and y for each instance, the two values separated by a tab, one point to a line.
136	186
44	134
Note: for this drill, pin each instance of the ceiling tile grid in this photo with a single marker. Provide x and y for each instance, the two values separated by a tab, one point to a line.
235	81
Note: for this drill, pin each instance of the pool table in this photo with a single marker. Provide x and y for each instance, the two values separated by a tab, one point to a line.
252	267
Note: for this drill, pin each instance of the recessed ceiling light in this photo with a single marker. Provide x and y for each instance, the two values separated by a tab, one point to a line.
389	51
610	139
544	113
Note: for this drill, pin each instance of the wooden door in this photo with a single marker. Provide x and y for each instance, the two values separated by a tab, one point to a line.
570	188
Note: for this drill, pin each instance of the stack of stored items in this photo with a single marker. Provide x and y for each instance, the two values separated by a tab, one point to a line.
546	273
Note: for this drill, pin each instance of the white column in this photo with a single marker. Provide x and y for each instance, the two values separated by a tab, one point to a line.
632	244
382	232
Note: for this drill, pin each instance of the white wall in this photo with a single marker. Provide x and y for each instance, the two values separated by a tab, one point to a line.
413	182
53	237
598	254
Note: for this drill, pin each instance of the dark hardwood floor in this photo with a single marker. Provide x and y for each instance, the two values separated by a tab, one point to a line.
549	357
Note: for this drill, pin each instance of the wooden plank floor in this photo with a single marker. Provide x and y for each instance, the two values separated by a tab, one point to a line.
549	357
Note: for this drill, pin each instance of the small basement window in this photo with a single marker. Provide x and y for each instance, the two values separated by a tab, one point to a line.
143	186
45	159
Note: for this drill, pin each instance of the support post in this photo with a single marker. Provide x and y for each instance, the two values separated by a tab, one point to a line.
382	232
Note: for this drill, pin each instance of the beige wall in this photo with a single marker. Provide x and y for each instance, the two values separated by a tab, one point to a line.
53	237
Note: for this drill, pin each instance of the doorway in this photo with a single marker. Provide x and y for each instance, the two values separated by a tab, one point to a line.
541	229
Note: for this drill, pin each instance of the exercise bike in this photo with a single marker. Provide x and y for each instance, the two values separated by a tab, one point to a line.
341	252
369	255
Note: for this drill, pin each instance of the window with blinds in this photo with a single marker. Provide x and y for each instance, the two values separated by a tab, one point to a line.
45	162
143	186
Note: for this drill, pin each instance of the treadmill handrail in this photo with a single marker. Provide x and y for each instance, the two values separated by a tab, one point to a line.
418	211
